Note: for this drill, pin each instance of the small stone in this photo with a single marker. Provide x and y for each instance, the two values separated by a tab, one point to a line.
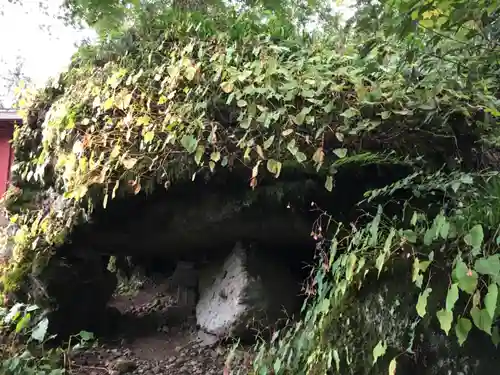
123	366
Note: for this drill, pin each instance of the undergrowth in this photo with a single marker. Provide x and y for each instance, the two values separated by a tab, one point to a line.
26	347
183	95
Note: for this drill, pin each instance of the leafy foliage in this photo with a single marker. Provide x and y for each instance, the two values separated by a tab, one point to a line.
181	94
27	324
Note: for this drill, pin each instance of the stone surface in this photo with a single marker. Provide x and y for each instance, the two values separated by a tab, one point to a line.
245	294
7	233
194	222
184	281
75	290
206	339
384	310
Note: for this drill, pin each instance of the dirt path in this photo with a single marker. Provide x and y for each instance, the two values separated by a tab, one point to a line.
153	336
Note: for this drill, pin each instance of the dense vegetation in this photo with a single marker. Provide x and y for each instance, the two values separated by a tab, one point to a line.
174	93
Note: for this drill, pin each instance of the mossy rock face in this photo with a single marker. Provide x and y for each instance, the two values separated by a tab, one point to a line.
194	221
384	311
74	289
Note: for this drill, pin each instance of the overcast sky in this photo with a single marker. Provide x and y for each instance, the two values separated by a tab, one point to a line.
43	41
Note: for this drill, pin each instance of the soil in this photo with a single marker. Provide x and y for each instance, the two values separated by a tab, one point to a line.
151	334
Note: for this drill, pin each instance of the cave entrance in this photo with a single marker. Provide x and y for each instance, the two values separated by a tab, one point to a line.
192	228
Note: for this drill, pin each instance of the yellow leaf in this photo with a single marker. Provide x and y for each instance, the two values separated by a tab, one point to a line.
215	156
392	367
190	73
319	155
129	163
227	87
274	167
260	152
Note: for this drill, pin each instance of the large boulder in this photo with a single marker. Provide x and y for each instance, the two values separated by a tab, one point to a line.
385	310
246	293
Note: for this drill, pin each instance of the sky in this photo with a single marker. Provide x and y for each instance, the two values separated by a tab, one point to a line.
43	41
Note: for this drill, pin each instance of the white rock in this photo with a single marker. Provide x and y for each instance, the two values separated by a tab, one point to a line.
247	292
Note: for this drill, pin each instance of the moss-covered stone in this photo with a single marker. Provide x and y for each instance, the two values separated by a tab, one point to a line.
384	312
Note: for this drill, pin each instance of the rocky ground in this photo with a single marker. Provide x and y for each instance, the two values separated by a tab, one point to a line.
154	335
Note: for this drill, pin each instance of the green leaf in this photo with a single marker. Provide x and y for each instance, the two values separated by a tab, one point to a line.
200	150
481	319
274	167
379	350
277	365
349	113
427	23
329	183
189	143
244	75
86	336
475	237
452	297
385	115
23	323
429	236
241	103
467	179
40	330
292	147
488	265
301	157
495	336
301	116
325	305
445	229
466	278
336	358
215	156
379	262
410	236
149	136
445	318
340	152
268	142
490	300
422	302
190	73
462	329
115	152
143	120
108	103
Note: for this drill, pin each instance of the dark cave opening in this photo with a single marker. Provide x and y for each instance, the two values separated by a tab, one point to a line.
200	222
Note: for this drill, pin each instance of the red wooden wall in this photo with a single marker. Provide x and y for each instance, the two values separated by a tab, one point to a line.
6	131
